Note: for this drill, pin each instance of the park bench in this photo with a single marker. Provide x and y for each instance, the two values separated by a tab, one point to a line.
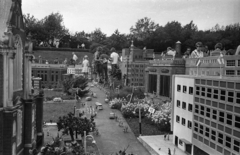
99	106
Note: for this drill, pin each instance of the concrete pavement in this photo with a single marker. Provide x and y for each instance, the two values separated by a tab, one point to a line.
156	145
112	138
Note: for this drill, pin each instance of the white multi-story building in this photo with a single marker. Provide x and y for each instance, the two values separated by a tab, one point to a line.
206	110
183	99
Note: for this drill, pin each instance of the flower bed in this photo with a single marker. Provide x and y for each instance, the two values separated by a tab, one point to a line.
160	118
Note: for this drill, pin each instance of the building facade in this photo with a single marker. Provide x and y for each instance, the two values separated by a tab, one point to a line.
134	62
19	115
158	75
215	108
214	66
183	100
51	74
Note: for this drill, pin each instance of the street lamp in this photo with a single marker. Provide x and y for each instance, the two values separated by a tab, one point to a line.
140	122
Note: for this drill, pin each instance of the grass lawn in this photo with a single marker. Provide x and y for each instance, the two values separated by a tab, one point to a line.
147	129
53	110
51	93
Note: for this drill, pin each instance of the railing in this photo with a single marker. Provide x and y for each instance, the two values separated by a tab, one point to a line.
38	65
74	71
212	61
165	61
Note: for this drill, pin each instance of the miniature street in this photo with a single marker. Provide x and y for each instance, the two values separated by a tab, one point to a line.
111	138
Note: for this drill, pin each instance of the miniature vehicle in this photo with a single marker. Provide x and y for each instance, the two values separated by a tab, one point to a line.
99	106
57	99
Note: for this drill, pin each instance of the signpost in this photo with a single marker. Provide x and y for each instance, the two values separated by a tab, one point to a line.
151	110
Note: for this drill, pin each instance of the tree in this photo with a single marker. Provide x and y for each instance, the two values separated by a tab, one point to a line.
70	85
79	38
35	28
81	83
97	36
70	124
173	30
117	40
143	28
53	24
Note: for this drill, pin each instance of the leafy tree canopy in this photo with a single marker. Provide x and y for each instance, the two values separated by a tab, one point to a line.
145	33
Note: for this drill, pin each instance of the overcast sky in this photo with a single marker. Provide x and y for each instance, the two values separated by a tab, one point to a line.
109	15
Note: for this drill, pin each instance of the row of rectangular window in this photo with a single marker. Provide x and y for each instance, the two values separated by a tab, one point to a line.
219	105
218	115
189	125
56	72
185	89
216	125
232	63
184	105
217	136
218	94
222	84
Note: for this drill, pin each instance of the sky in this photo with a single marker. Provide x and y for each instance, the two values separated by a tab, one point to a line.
109	15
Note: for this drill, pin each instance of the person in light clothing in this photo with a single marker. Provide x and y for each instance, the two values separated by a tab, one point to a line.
197	53
85	66
114	57
218	50
170	51
74	58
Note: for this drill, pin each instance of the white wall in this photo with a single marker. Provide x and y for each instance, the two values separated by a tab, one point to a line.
180	130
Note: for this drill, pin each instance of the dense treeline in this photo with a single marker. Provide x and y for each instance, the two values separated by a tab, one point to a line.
145	33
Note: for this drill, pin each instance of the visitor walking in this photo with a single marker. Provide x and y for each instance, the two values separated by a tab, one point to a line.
74	58
169	151
104	62
97	64
114	58
65	61
83	46
85	66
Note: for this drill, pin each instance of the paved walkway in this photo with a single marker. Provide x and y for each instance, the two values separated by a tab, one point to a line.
112	138
156	145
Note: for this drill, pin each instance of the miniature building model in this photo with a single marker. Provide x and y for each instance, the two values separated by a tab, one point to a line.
20	118
134	62
206	107
51	74
158	75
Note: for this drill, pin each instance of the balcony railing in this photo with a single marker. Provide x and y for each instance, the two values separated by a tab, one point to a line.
71	70
163	61
38	65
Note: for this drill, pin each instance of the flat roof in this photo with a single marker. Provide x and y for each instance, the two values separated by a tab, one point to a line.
227	78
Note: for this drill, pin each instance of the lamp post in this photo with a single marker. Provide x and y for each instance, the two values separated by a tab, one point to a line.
140	121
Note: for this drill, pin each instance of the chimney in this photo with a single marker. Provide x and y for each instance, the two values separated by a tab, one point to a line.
178	48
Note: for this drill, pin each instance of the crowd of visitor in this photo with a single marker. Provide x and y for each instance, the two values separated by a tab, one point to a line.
103	64
203	51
